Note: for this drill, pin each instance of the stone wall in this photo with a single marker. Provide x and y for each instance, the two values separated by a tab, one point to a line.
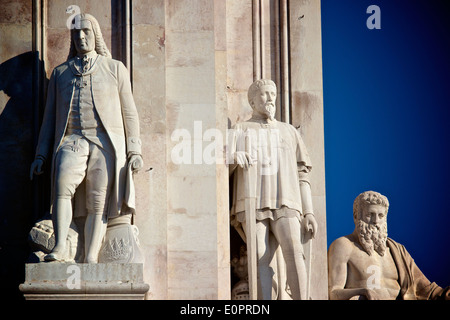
191	63
17	129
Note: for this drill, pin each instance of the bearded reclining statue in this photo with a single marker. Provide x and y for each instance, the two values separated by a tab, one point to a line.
368	265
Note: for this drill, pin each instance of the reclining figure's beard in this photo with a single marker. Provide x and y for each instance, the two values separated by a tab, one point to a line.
372	237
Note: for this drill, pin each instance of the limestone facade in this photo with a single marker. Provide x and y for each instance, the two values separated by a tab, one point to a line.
191	63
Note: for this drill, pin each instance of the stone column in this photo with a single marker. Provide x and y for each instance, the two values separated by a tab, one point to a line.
306	92
179	73
149	89
196	211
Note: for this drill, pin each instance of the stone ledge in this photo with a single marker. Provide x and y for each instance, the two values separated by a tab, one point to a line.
55	281
81	296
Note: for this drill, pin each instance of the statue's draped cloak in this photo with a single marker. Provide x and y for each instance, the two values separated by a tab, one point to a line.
413	283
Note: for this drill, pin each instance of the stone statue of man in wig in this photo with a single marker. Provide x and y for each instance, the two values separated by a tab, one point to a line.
90	136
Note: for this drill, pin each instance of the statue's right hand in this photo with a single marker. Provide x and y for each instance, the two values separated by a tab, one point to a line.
36	168
244	159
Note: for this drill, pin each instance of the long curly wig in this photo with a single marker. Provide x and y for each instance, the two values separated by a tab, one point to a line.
100	45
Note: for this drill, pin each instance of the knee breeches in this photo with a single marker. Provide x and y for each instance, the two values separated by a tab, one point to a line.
78	159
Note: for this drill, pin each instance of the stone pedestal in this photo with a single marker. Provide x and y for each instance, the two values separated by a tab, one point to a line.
77	281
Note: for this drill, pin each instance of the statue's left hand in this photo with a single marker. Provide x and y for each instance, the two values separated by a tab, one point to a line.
310	225
36	167
136	162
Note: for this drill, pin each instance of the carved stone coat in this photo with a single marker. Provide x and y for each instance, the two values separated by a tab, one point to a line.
114	103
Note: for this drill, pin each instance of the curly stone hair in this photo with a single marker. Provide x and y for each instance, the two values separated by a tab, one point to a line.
255	86
367	198
100	45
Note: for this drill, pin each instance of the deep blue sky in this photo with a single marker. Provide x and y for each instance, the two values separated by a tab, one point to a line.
387	121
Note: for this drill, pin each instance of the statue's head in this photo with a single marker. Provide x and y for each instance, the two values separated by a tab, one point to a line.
86	36
262	95
239	264
370	210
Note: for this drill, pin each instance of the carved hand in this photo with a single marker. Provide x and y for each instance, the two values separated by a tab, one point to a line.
311	224
244	159
36	168
136	162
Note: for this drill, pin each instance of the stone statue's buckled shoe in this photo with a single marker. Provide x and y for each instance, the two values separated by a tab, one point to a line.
53	256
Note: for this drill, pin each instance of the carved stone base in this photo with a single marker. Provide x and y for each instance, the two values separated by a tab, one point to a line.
121	245
76	281
42	240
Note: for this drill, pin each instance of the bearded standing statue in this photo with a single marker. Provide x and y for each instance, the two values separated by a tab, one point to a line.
283	210
89	136
368	265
